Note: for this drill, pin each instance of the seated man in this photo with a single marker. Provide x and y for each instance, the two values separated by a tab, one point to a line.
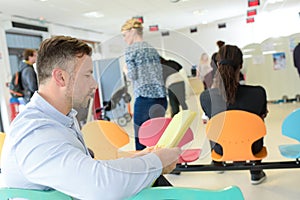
45	149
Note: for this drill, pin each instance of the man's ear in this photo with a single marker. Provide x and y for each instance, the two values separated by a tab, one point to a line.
59	76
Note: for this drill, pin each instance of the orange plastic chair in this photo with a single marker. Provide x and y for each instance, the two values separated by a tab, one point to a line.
104	138
236	131
2	137
151	131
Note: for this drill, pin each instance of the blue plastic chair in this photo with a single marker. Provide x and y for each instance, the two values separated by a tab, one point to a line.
11	193
291	128
180	193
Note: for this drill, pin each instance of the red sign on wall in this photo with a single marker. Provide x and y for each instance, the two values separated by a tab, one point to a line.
153	28
251	13
253	3
250	20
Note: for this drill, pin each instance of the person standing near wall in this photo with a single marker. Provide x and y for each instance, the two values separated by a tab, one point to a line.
28	75
144	69
205	71
213	62
175	85
296	57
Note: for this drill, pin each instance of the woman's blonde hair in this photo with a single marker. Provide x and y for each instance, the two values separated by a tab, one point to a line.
132	23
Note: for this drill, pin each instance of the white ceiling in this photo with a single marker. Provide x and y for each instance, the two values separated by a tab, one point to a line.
166	14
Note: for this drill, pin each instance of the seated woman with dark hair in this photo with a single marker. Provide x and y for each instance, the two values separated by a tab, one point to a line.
228	94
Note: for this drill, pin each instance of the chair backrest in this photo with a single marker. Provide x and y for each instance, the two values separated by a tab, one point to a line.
104	138
236	131
2	137
151	131
290	126
177	193
26	194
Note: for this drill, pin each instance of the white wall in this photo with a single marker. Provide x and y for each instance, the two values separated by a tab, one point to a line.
187	47
269	28
238	32
259	66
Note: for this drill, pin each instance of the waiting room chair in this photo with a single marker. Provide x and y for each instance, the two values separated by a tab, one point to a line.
180	193
26	194
236	131
151	131
291	128
104	138
2	137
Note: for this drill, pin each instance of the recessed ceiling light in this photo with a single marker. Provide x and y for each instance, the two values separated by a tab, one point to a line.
93	14
199	12
275	1
248	50
268	52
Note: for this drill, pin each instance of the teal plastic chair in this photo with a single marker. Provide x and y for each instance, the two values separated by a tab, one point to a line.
291	128
180	193
26	194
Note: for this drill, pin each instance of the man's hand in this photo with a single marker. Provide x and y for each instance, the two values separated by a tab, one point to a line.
169	158
143	152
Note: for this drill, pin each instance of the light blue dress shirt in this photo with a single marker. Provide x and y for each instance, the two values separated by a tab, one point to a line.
45	150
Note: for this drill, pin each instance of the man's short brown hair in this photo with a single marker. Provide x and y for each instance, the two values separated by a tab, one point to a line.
59	51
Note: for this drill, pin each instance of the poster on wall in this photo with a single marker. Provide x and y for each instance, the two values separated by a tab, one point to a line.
279	61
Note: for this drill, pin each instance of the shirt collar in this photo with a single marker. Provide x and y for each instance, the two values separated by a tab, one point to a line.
39	102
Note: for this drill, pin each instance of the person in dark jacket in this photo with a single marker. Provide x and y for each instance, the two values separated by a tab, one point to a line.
296	57
175	85
28	75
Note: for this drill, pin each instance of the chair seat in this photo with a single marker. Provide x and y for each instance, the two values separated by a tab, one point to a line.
178	193
262	154
290	150
189	155
246	157
152	130
15	193
236	131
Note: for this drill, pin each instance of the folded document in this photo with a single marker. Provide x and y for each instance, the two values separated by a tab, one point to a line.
176	129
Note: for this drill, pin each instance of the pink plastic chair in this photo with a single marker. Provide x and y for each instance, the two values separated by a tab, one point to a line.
151	131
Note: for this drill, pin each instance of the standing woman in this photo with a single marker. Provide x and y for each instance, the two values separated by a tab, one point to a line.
145	71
